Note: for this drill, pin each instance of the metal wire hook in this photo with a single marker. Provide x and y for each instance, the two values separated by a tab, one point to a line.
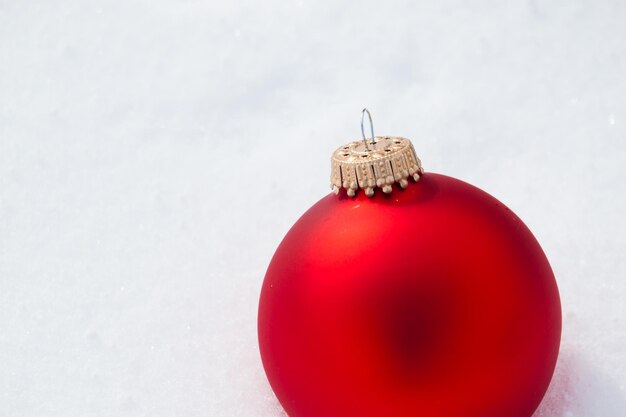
371	127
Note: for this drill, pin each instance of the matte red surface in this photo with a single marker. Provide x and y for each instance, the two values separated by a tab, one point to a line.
434	301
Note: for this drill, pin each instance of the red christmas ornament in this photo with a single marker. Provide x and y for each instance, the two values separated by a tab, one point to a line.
433	300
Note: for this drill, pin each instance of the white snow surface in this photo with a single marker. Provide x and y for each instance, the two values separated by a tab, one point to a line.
154	153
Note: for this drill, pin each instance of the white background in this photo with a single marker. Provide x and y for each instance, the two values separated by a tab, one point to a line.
145	148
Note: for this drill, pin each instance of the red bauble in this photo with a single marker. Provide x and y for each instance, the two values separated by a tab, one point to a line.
433	301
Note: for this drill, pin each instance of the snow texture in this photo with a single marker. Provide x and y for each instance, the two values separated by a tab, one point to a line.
143	153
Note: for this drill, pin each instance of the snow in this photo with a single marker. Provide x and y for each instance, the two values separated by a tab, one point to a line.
144	150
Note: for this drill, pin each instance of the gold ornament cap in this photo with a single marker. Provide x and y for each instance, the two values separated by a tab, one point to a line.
373	163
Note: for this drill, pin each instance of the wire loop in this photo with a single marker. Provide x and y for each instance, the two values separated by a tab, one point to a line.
371	127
